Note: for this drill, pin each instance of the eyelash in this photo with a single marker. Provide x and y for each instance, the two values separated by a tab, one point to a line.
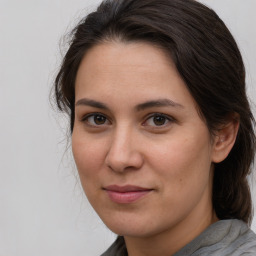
93	115
167	120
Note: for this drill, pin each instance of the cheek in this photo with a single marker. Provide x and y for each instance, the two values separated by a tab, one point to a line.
182	161
88	156
183	169
89	159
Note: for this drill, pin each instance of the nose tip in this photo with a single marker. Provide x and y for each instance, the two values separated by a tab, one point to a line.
123	155
120	164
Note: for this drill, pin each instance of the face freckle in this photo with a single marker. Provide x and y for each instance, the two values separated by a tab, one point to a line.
165	169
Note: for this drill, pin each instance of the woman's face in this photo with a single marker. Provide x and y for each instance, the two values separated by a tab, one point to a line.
143	153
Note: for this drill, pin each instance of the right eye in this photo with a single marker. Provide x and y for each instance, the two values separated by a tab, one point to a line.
96	119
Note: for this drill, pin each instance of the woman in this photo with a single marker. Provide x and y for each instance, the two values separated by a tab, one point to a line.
162	132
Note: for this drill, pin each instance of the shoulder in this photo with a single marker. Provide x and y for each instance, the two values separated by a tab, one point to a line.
118	248
225	237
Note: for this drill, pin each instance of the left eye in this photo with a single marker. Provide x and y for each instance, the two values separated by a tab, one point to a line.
157	120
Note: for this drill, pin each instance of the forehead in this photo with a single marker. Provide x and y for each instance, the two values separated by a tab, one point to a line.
128	57
140	71
140	47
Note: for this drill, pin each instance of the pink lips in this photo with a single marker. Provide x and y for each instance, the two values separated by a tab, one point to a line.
126	194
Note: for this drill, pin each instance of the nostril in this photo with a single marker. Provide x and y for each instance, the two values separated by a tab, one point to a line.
124	162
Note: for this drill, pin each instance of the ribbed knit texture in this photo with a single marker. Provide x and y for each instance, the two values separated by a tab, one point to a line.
223	238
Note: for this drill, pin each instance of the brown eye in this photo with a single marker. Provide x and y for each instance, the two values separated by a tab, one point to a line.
159	120
96	120
99	119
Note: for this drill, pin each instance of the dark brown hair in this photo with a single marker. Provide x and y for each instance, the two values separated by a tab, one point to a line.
208	60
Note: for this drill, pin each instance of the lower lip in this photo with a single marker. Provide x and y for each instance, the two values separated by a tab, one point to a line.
126	197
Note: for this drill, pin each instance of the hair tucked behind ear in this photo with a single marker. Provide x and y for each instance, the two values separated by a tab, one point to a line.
208	60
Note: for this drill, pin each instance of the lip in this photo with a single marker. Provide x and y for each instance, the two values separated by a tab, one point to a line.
126	194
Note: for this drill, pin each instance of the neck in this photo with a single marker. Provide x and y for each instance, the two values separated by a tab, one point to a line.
171	241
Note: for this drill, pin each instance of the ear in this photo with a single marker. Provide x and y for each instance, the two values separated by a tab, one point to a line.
225	139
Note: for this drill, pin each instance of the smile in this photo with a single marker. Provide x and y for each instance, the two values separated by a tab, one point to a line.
126	194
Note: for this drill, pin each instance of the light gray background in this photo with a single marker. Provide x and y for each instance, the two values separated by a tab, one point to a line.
42	208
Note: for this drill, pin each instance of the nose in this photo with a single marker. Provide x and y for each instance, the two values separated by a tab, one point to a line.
123	153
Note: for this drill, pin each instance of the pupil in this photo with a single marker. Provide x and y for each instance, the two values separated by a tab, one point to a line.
99	119
159	120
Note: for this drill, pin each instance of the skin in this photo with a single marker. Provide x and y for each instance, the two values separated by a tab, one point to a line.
118	141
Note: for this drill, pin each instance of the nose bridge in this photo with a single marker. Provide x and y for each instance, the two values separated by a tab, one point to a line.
123	152
122	138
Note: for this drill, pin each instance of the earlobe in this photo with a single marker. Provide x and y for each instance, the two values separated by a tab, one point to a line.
225	139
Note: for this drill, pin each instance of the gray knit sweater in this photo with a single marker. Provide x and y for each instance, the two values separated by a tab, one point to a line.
223	238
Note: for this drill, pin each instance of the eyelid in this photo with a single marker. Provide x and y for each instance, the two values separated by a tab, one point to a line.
86	116
170	119
151	115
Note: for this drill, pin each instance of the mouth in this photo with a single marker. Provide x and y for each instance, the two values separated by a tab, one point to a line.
126	194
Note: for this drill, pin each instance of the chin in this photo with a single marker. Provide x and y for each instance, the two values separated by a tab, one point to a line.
126	225
131	232
132	226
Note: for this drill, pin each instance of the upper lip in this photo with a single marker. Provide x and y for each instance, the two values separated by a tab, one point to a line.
126	188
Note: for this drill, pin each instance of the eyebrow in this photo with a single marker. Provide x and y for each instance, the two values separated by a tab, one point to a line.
158	103
140	107
91	103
